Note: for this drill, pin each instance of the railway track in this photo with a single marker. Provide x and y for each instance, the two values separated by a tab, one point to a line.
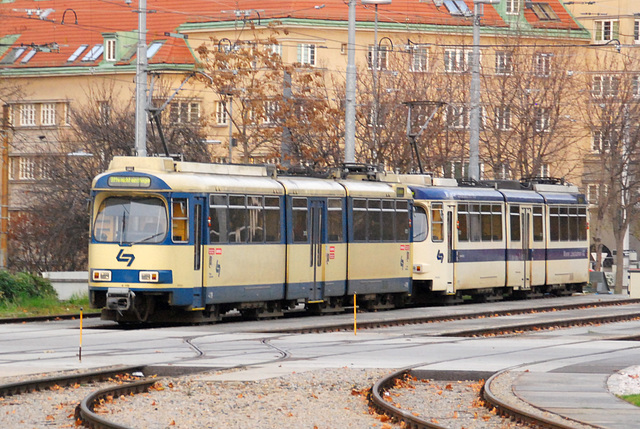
85	411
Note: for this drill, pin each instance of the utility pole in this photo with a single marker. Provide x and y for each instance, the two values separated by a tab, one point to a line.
141	81
4	198
350	95
474	95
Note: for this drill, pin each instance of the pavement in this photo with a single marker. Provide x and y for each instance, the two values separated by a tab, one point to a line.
579	391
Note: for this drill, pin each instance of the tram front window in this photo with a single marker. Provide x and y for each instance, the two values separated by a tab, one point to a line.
131	220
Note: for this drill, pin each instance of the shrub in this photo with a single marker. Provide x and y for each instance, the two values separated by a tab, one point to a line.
23	285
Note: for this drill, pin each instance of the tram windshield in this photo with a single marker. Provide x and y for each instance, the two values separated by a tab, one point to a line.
131	220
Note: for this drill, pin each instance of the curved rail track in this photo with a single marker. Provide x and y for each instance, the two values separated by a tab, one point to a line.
85	411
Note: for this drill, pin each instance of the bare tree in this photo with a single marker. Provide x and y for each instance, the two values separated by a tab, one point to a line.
611	115
51	233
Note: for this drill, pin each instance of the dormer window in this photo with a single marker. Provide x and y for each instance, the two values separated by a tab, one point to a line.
110	50
512	7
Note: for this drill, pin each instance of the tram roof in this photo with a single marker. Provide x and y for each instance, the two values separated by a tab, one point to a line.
311	186
442	193
357	188
563	198
515	196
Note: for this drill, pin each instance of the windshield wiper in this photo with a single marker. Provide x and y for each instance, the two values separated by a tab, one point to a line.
148	238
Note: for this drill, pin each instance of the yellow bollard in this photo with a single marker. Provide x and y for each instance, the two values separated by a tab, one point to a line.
80	348
355	322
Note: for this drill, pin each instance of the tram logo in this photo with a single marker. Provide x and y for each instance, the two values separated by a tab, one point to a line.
125	257
440	256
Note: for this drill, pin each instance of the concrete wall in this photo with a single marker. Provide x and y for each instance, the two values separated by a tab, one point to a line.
69	283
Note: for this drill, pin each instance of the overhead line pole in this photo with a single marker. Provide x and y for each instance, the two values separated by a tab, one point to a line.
350	94
141	81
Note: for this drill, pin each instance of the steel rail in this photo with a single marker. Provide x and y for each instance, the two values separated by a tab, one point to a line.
85	411
536	418
26	386
377	401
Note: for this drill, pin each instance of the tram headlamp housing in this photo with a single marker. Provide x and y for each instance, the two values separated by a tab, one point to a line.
101	275
149	277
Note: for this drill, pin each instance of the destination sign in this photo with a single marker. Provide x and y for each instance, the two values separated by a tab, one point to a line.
129	181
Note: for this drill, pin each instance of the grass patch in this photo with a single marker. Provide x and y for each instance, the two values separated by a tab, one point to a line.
28	295
44	306
632	399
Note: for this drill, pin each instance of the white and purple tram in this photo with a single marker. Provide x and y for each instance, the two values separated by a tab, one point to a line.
185	242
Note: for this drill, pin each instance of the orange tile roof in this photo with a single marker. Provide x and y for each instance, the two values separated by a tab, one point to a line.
95	17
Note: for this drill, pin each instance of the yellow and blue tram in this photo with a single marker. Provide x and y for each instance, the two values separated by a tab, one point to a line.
177	241
186	242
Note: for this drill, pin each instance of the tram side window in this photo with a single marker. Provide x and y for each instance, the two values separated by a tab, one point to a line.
564	224
420	224
554	223
335	220
582	224
514	223
272	219
437	222
573	224
300	225
359	219
388	223
496	222
402	221
537	224
475	226
463	222
374	216
218	215
180	220
255	219
237	219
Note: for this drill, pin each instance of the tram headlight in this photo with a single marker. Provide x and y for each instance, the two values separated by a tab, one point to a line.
101	275
149	277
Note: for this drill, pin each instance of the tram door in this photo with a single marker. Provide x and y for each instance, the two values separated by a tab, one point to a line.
318	210
451	267
198	240
527	252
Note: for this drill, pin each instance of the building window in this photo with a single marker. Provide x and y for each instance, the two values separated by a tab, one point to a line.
382	57
605	86
544	171
110	50
28	115
457	60
270	109
28	168
635	86
457	117
636	31
307	54
419	59
502	172
512	7
221	112
543	118
274	48
184	112
504	63
503	118
48	114
602	139
607	30
542	64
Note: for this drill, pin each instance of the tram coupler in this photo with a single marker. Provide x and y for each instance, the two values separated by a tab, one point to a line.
120	299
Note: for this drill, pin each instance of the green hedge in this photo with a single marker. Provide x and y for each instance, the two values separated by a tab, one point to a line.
24	285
